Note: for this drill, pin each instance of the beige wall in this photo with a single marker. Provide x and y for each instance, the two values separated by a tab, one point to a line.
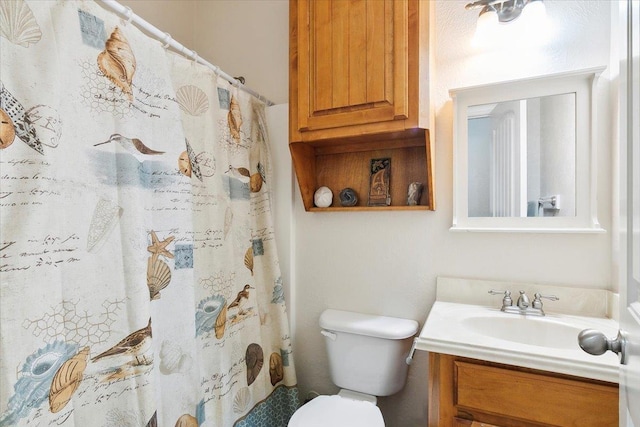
175	17
247	38
387	262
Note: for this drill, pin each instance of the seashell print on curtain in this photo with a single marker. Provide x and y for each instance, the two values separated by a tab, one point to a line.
117	62
18	24
139	275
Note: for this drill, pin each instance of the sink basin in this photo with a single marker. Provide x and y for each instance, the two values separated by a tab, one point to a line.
548	343
528	330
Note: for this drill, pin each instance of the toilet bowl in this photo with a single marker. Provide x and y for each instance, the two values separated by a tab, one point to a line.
367	358
340	410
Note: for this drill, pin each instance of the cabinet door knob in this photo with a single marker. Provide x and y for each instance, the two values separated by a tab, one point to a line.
596	343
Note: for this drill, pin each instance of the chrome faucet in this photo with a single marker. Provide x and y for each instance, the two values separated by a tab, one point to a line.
523	304
523	301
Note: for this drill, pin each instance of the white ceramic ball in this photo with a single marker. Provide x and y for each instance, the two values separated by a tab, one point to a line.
323	197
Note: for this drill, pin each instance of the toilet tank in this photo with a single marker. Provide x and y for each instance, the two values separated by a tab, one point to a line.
367	353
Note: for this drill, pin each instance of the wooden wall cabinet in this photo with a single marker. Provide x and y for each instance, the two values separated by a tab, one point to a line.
468	392
359	89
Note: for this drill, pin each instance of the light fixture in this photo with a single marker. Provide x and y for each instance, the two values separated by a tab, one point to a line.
496	24
505	10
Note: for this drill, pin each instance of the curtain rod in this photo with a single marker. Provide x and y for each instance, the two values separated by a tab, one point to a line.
170	42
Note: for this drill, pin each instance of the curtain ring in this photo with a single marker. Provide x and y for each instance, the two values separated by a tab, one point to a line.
195	56
166	40
128	14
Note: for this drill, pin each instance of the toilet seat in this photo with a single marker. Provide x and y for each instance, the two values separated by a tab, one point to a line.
337	411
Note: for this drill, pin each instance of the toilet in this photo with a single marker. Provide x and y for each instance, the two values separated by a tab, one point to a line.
367	358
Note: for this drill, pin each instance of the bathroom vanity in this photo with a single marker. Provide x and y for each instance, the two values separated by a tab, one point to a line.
492	368
471	392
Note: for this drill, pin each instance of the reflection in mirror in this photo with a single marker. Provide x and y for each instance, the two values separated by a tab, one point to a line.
522	157
525	155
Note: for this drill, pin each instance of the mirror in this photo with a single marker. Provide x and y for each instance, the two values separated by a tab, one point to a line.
524	156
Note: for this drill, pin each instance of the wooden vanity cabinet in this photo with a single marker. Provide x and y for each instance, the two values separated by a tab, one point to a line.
468	392
359	89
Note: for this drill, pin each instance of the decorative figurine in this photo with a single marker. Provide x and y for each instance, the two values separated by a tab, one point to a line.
379	186
323	197
414	193
348	197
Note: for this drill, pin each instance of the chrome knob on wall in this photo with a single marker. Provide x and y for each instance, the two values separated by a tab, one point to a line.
596	343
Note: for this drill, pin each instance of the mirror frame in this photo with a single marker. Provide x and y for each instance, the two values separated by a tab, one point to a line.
583	83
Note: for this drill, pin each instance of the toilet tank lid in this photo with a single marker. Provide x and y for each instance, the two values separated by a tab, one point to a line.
368	324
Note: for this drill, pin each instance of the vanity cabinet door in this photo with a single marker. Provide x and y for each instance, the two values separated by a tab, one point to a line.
468	392
534	396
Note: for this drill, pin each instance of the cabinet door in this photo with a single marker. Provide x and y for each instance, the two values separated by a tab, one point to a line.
536	397
471	393
352	62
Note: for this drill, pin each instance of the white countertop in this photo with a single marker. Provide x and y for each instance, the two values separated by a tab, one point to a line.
457	329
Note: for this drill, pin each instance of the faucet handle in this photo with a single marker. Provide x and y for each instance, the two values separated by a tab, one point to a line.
537	299
506	300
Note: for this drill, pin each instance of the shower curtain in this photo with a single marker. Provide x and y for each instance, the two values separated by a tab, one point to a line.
139	277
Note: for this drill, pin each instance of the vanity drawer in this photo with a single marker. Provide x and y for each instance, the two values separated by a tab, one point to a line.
534	397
